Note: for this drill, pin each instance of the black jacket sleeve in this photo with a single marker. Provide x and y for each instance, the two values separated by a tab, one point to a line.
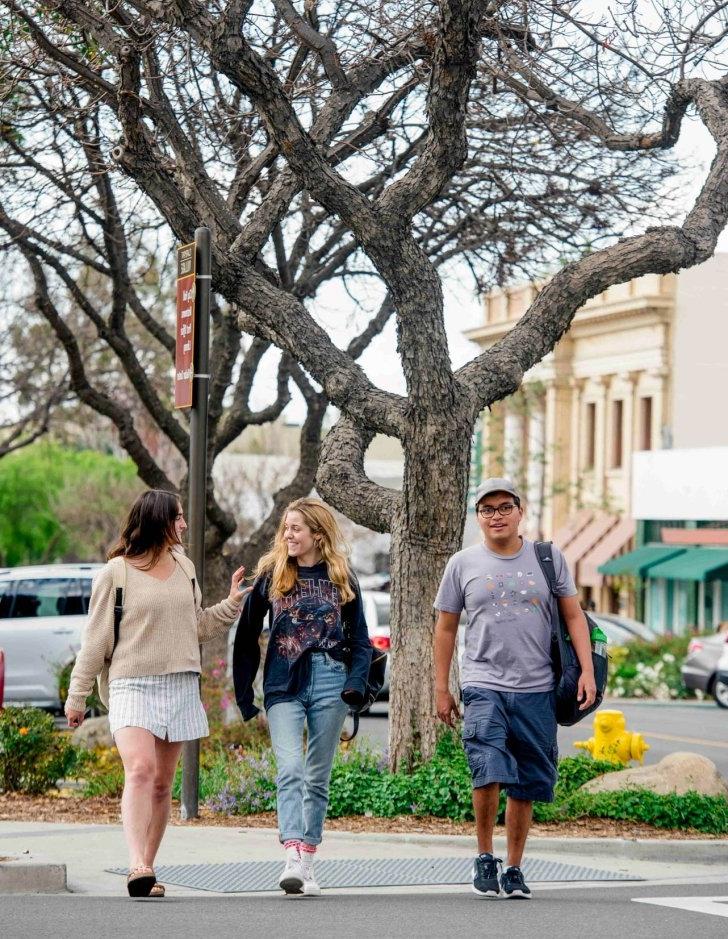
246	651
355	628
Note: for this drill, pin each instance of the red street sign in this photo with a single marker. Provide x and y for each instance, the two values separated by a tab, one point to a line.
184	354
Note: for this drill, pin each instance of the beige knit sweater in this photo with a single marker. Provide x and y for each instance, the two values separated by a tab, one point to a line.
160	631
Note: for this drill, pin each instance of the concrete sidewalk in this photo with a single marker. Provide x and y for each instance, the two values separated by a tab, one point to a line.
87	850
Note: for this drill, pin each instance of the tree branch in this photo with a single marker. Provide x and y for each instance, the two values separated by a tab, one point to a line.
499	371
341	475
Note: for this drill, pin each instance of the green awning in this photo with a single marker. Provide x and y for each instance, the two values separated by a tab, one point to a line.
693	564
641	559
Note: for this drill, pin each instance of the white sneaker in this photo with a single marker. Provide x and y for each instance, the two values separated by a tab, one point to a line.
291	879
310	887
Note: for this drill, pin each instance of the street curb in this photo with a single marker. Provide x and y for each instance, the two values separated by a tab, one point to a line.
22	873
698	850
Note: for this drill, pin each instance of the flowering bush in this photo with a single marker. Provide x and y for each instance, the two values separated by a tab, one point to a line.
248	784
33	754
649	669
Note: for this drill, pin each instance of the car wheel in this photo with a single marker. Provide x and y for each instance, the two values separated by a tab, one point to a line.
720	693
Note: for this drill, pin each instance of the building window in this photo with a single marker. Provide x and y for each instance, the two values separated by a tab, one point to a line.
617	433
591	435
645	423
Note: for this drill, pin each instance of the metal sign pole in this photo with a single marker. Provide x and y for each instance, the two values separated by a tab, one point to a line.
198	477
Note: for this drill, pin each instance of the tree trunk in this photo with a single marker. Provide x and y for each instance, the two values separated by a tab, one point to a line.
424	536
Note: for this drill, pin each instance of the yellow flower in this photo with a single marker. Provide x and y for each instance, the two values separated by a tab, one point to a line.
23	731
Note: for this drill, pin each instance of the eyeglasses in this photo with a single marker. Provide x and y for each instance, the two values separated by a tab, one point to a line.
488	511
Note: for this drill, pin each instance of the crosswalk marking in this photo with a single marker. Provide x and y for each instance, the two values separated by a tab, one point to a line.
714	906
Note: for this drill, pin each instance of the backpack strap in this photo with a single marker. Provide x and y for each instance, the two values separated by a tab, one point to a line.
189	569
545	558
118	571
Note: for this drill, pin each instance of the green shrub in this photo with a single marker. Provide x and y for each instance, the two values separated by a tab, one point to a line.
33	754
574	771
103	773
707	814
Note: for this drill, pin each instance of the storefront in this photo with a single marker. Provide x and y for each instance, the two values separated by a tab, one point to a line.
678	572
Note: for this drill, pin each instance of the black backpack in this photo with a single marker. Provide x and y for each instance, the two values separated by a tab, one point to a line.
565	662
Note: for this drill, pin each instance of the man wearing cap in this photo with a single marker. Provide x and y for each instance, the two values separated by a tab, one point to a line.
509	727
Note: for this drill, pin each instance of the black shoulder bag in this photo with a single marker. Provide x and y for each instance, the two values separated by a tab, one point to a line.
374	682
567	670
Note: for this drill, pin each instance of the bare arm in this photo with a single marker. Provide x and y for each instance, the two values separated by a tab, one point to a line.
446	631
581	641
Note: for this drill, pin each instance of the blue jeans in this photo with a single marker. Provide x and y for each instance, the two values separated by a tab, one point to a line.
303	785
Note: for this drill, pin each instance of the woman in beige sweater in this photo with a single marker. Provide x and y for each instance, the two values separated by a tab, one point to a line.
153	668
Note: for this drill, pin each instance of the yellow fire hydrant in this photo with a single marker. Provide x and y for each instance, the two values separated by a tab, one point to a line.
612	741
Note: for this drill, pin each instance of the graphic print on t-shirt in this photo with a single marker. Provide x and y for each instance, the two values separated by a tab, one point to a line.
307	616
511	596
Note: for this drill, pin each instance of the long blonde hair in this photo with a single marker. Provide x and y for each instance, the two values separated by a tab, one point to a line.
283	570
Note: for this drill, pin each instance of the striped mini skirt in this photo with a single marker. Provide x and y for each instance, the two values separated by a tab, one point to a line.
168	706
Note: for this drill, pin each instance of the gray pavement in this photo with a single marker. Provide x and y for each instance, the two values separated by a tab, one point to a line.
88	850
700	727
678	873
557	913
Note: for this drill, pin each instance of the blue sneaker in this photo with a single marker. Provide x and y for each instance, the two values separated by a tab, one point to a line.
513	884
485	875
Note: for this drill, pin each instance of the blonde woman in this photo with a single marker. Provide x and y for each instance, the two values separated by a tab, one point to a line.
316	667
154	667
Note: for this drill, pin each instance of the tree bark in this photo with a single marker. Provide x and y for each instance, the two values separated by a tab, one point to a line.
426	531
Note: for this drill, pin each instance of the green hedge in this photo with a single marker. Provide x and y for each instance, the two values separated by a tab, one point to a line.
361	784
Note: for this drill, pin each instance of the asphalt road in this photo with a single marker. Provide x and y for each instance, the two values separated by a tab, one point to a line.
596	912
700	727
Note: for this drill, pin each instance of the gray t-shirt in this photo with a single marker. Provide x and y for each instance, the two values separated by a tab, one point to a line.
510	610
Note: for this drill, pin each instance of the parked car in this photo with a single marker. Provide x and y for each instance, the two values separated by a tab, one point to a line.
376	612
618	634
720	683
706	666
43	611
624	625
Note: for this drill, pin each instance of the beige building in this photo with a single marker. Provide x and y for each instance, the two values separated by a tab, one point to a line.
644	366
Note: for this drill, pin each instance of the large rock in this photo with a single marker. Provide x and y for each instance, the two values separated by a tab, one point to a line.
94	732
677	773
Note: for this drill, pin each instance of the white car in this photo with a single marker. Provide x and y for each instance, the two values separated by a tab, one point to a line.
376	613
43	611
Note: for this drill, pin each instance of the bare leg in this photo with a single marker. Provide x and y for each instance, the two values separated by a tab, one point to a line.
137	751
485	804
518	821
167	759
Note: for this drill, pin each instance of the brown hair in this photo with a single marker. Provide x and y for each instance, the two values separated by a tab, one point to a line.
149	527
283	569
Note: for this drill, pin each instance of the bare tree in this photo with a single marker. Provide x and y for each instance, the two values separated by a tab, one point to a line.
32	385
375	143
